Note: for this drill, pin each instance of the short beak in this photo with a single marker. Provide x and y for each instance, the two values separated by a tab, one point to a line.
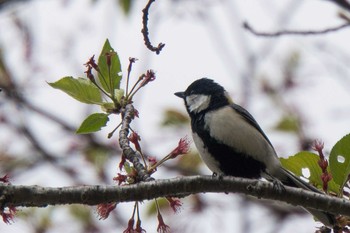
180	94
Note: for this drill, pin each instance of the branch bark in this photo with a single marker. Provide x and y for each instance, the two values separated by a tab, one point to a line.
145	31
36	196
247	26
124	143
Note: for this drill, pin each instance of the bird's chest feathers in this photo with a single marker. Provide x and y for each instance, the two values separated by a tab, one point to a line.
225	133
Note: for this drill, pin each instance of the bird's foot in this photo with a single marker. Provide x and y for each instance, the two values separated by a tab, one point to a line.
278	186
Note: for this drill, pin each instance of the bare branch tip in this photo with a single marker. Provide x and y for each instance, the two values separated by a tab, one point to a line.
145	32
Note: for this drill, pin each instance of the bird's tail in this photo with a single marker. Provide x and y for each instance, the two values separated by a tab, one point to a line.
294	181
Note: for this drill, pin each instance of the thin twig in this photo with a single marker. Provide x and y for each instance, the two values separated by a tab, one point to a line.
145	32
128	152
292	32
342	3
131	61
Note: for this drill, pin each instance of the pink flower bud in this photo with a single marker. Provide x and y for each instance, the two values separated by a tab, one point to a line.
182	148
103	210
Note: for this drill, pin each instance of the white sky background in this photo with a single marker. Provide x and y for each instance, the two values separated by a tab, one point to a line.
202	39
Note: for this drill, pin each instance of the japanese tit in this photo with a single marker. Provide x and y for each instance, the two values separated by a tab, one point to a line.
230	141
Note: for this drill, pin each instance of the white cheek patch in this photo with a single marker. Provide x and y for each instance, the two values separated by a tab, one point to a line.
197	103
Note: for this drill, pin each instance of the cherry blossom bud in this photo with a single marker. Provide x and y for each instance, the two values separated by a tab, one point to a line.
175	204
182	148
130	228
162	227
120	178
103	210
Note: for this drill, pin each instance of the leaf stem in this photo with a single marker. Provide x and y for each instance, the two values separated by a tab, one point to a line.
131	61
132	89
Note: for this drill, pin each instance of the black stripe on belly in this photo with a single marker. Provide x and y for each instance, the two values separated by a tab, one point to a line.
231	162
234	163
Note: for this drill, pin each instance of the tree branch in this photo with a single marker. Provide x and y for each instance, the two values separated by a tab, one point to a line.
342	3
4	3
247	26
145	32
36	196
124	143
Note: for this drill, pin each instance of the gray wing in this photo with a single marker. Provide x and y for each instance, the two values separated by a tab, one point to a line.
250	119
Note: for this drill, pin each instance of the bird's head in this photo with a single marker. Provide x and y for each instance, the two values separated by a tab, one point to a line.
204	95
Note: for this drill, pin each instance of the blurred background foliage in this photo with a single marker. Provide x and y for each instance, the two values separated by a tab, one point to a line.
296	87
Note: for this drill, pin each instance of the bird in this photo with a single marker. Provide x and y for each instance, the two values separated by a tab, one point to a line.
231	142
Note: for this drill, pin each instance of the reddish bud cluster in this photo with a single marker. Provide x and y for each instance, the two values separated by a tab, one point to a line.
132	59
175	204
136	113
103	210
109	56
122	162
7	217
130	228
135	138
138	228
183	147
148	77
318	146
323	163
326	177
89	74
92	63
120	178
5	179
152	160
162	227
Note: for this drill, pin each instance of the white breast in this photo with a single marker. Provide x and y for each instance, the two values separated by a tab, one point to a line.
212	164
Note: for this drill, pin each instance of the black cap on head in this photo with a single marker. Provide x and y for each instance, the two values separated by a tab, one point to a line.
204	86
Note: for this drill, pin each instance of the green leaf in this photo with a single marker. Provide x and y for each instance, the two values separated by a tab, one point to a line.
108	107
288	124
173	117
307	161
80	89
119	93
109	76
339	160
93	123
127	167
126	5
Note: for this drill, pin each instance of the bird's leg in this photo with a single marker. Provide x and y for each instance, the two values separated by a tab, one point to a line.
278	185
